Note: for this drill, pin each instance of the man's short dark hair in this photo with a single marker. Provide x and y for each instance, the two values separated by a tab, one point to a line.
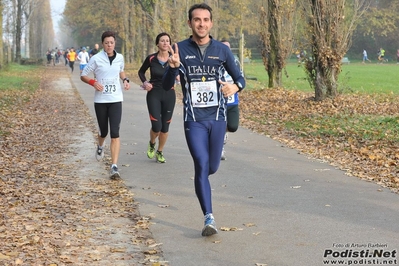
198	6
107	34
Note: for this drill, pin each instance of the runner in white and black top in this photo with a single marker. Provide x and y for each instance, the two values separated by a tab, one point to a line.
108	68
83	57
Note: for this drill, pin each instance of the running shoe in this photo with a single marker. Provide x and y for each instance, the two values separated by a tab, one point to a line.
225	138
160	158
223	157
209	226
99	153
114	173
151	150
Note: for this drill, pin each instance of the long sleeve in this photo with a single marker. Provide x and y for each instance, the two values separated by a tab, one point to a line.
144	67
168	80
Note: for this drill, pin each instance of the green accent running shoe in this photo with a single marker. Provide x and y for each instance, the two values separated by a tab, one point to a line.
151	150
160	158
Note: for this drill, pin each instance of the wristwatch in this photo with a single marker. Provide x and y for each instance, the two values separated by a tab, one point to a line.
127	79
239	85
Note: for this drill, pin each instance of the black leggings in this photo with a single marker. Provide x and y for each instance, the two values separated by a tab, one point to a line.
233	118
160	104
72	65
109	112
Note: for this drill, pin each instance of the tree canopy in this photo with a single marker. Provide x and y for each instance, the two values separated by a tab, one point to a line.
137	22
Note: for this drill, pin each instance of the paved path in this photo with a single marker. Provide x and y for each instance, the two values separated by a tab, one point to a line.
288	210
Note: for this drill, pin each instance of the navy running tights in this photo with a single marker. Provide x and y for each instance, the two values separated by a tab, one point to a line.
205	143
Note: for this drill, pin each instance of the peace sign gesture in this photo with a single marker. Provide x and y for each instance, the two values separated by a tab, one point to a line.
174	58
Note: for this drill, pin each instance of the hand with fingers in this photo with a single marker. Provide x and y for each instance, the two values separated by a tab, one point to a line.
147	86
174	58
98	86
228	89
126	86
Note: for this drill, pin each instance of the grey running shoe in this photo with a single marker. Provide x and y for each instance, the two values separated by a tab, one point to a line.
114	173
223	157
99	153
209	226
151	150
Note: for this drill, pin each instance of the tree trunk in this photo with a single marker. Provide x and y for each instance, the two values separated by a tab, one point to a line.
131	31
330	27
324	81
174	20
273	70
332	88
277	21
272	60
319	86
18	33
148	35
1	34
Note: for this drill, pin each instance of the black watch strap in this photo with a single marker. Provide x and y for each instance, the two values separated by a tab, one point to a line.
239	85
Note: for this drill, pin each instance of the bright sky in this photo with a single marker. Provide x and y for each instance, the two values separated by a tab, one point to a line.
57	7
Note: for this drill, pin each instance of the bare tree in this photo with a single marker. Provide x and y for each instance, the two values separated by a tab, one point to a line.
23	10
18	31
150	22
41	32
331	24
131	22
1	34
16	16
277	31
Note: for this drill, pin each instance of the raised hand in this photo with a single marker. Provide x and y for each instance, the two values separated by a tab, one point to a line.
174	58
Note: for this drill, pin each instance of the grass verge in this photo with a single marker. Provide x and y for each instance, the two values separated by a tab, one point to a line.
17	86
354	78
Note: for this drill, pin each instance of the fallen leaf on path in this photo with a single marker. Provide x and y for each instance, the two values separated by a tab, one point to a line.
231	229
250	224
120	250
321	170
150	252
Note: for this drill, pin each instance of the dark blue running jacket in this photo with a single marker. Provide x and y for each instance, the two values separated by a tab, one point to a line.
199	76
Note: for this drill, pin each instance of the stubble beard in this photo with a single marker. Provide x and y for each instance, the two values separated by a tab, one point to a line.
201	35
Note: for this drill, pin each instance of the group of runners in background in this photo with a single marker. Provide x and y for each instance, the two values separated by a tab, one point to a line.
70	55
